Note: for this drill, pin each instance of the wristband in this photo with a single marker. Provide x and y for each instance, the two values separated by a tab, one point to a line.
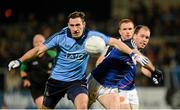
155	71
132	54
19	62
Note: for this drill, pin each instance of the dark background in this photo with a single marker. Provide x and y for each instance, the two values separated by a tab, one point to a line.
20	20
44	8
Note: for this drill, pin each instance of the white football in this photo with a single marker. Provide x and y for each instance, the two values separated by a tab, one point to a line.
95	45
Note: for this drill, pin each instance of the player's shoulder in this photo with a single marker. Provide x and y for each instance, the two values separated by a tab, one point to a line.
95	33
62	31
58	34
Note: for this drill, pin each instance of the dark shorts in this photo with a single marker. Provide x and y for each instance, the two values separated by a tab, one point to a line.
55	90
37	91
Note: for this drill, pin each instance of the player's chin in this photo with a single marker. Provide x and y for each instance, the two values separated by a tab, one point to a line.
76	36
142	47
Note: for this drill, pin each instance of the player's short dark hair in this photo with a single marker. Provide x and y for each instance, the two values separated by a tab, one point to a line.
138	27
77	14
125	21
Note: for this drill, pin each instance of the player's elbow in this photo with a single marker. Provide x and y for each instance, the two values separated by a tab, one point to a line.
40	50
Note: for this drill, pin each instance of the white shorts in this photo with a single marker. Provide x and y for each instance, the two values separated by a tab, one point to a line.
105	90
130	96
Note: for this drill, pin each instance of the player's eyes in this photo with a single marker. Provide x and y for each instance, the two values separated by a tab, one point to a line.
147	37
144	36
71	25
77	24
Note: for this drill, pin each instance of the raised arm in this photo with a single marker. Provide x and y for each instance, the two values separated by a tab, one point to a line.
121	46
34	52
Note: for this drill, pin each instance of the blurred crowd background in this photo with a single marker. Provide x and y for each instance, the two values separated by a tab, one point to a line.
20	22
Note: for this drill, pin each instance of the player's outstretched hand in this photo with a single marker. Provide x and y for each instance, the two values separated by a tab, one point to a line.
14	64
157	76
138	58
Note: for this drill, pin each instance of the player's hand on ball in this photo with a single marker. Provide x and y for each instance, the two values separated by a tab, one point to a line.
137	58
14	64
157	76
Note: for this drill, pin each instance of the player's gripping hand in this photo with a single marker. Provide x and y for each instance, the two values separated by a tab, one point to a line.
157	76
14	64
139	58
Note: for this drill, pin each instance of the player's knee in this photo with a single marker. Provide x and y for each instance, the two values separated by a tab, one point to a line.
83	105
81	101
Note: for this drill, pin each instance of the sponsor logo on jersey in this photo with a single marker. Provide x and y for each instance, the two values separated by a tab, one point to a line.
78	56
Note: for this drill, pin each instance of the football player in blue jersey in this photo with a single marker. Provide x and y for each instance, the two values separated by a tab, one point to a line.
68	73
116	74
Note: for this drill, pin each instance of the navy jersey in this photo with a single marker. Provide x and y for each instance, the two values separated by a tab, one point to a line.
117	69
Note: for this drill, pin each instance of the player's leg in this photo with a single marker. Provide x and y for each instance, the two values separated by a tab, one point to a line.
81	101
124	105
93	87
54	91
37	92
133	99
38	101
78	94
127	99
109	97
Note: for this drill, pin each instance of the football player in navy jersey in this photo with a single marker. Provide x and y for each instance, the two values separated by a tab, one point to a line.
116	74
68	73
125	30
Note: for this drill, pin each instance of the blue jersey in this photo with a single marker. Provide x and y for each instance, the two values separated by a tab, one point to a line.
117	69
71	60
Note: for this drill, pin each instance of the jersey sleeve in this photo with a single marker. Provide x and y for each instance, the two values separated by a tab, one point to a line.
96	33
53	41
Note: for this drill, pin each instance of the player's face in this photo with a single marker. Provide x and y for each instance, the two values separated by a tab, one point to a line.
142	38
38	40
76	27
126	30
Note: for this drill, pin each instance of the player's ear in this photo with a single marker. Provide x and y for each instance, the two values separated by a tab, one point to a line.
84	23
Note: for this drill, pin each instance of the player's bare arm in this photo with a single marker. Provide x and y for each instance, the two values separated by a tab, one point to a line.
125	49
120	45
100	59
33	53
149	66
152	72
36	51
